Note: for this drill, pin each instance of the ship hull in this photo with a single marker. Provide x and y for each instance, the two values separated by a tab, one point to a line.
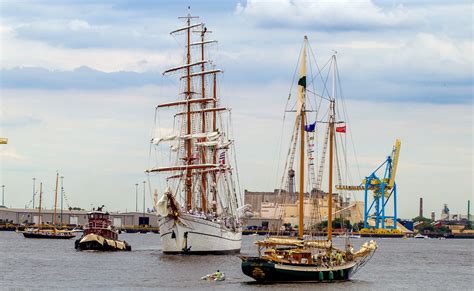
267	271
189	234
93	242
47	236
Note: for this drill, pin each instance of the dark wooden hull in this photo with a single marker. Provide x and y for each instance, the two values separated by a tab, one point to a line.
47	236
266	271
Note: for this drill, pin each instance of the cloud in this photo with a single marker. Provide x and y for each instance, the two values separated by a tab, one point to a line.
10	154
83	78
17	53
343	15
79	33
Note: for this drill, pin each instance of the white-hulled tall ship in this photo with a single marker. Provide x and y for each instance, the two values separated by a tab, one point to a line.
193	157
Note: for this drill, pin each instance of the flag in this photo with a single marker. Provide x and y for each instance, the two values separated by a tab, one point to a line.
310	127
302	81
222	158
341	128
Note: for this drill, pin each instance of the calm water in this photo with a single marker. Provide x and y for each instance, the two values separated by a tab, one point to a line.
397	264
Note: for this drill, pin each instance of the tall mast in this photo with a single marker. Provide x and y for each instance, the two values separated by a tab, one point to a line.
301	109
39	209
203	153
214	152
331	146
189	194
55	202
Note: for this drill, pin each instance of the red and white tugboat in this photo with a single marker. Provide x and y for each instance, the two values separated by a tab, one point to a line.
100	235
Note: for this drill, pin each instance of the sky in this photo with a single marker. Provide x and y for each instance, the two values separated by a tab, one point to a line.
80	79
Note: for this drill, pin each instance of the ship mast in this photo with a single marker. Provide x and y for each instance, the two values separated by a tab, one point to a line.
55	202
195	129
301	110
214	152
331	147
188	96
39	209
203	95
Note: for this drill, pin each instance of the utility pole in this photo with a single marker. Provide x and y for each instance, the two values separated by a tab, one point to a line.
34	182
3	195
144	182
136	197
62	195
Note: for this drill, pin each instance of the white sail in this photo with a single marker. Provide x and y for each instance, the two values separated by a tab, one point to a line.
162	205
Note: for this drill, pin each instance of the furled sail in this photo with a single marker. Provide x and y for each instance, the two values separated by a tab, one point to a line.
220	145
209	135
165	138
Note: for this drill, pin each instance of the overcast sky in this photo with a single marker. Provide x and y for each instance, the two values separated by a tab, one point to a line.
80	79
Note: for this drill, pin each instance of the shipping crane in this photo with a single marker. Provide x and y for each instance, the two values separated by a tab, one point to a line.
383	190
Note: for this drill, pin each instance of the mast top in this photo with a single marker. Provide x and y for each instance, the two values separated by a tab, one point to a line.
189	16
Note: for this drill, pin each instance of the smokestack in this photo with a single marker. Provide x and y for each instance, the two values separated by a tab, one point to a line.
421	207
291	173
468	210
433	215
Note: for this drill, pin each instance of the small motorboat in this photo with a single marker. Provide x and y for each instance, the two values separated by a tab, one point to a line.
217	276
420	236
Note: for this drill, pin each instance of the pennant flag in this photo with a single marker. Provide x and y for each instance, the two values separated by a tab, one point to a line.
310	127
341	128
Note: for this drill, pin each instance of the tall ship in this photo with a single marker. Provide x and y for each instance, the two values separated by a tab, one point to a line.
192	156
312	255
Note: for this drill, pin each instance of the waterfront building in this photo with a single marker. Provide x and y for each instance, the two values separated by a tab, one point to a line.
74	217
266	207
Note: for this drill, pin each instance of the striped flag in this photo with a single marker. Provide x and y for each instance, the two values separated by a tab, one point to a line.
222	158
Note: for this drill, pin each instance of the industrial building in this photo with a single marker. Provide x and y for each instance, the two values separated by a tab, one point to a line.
267	208
74	217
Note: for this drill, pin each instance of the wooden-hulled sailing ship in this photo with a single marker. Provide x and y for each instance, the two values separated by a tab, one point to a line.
307	257
100	235
54	233
198	211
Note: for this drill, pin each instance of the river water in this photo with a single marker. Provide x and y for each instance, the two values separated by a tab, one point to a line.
413	264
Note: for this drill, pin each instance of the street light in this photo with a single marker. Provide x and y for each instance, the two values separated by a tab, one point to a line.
136	197
34	182
62	194
144	182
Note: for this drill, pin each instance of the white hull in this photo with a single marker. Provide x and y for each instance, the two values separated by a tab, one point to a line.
192	234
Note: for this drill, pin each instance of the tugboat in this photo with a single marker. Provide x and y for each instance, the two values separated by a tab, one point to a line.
100	235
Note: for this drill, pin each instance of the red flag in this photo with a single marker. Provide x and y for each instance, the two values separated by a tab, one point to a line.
341	128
